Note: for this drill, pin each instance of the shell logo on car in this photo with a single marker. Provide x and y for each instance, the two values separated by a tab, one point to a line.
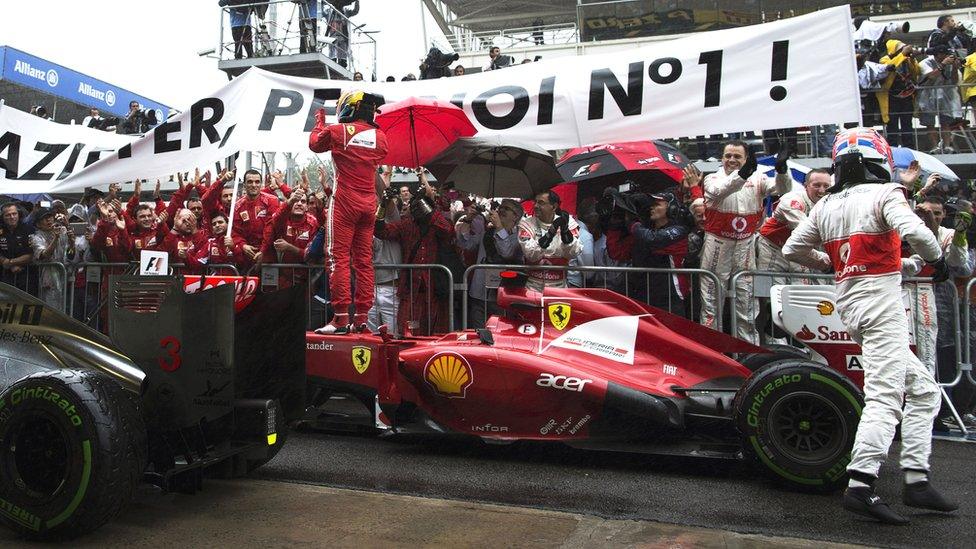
559	314
449	374
361	357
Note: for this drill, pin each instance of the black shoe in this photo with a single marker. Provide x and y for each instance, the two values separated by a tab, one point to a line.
924	496
864	502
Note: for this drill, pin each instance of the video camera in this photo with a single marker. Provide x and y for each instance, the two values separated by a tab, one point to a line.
139	121
437	64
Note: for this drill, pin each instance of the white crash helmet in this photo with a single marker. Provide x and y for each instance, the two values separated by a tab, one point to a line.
861	155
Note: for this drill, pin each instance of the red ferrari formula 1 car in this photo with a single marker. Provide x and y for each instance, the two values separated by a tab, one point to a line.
594	369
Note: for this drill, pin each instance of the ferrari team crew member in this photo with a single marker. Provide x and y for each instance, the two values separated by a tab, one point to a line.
860	226
184	239
251	213
358	146
791	209
549	236
288	235
219	249
217	198
733	211
147	233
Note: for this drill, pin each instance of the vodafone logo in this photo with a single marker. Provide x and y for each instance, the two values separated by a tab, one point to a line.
845	251
739	224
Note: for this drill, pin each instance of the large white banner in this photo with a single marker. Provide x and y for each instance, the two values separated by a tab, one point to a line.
795	72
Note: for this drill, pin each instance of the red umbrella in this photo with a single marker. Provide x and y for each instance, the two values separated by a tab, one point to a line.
651	165
419	129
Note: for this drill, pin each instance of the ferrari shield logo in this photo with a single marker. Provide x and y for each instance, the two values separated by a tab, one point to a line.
559	315
361	357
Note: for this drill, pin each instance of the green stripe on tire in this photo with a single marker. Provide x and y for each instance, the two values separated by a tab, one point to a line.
779	470
847	394
82	488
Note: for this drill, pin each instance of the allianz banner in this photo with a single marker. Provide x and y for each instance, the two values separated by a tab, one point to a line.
794	72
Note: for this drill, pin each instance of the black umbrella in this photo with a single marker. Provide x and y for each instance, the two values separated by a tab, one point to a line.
496	166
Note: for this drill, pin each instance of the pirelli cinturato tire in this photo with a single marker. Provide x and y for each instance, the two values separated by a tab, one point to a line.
72	449
798	420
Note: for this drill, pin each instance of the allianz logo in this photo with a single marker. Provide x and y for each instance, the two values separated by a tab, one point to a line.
50	77
107	96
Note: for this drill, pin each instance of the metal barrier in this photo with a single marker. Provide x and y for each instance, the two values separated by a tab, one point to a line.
311	274
570	269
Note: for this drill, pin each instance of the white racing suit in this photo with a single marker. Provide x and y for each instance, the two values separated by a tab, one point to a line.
530	230
923	297
733	212
791	209
861	229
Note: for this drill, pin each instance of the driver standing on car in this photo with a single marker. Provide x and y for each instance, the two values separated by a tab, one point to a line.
860	226
358	146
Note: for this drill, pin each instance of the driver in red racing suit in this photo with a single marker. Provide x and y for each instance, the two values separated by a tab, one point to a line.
859	228
358	147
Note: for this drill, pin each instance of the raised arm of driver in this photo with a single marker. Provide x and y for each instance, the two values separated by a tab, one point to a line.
320	140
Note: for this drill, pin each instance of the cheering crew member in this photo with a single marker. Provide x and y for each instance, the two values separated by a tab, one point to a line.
358	147
148	234
184	239
860	228
549	237
111	238
733	212
252	213
791	209
220	248
286	237
217	198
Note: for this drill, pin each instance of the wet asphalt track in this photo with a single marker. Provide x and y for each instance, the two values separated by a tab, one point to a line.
697	492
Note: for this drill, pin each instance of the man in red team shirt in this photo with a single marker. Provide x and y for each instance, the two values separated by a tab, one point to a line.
185	239
286	237
358	147
251	213
220	248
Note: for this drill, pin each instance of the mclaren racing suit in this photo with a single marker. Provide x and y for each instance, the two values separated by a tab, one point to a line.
861	229
791	209
925	313
733	212
530	230
357	148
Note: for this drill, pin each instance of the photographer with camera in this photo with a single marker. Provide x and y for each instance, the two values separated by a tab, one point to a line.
548	237
492	234
420	234
53	242
138	121
358	146
938	95
951	34
496	60
897	96
437	64
660	224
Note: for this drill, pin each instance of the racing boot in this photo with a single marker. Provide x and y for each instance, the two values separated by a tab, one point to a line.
924	496
863	501
338	326
359	323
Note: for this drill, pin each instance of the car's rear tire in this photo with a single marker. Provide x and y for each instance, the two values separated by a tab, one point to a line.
72	450
798	420
778	352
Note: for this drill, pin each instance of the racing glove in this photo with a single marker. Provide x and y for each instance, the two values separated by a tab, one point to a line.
565	233
781	158
750	165
941	273
963	221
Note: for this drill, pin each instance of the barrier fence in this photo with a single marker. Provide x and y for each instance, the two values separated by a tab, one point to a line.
624	280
